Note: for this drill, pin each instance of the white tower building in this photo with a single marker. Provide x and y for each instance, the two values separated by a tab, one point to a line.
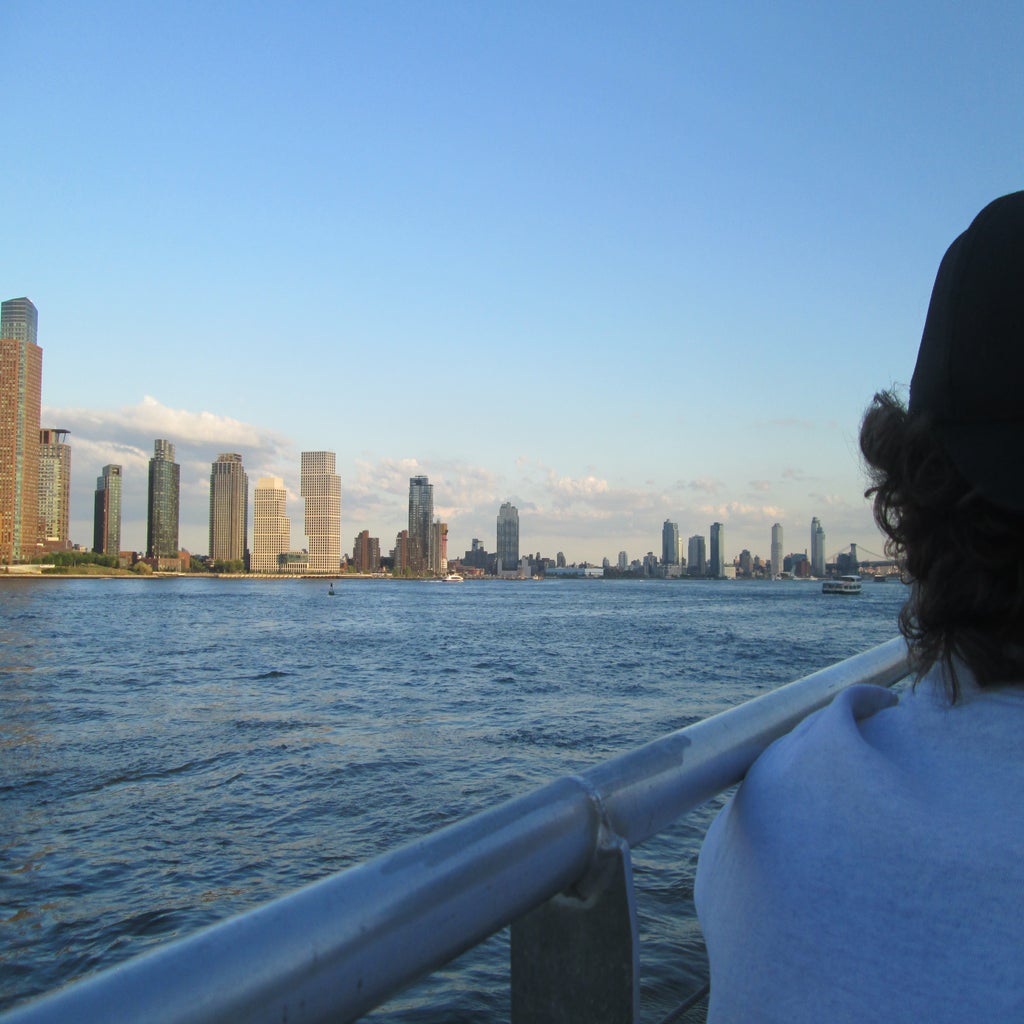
271	529
320	487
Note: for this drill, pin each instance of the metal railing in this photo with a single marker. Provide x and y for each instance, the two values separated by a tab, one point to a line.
554	863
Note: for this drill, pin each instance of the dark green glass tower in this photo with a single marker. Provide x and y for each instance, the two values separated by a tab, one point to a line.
162	531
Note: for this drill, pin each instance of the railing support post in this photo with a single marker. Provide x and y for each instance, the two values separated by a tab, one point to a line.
575	959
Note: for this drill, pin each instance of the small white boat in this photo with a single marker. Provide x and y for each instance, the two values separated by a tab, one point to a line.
452	577
843	585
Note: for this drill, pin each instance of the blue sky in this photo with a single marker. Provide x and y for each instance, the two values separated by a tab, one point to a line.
615	263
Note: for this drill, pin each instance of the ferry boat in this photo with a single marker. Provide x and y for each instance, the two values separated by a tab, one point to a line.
843	585
452	577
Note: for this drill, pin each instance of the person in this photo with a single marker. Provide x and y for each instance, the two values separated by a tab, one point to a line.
871	865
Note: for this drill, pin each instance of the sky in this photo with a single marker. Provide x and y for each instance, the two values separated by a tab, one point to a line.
615	263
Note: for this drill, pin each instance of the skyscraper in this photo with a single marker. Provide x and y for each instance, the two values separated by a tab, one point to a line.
229	509
508	536
400	554
320	487
817	548
776	549
421	515
696	556
21	385
717	550
106	524
271	529
54	488
438	547
164	482
19	321
670	543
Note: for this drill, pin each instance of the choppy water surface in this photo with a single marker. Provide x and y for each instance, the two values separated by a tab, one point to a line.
175	751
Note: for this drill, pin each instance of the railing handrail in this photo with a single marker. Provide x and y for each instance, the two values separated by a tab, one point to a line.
339	947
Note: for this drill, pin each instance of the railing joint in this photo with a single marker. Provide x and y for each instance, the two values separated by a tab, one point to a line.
607	842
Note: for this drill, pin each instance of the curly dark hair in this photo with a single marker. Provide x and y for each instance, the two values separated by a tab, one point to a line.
963	556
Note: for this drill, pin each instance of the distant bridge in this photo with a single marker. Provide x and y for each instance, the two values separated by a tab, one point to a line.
874	561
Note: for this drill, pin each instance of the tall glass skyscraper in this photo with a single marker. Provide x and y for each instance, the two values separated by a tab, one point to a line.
229	509
508	536
19	321
717	550
21	385
164	484
320	487
106	524
817	548
776	549
696	556
421	516
670	543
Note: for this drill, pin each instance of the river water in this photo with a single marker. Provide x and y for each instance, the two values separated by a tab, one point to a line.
173	751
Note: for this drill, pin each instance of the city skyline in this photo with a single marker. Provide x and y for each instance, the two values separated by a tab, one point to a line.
425	539
649	264
421	547
228	521
642	543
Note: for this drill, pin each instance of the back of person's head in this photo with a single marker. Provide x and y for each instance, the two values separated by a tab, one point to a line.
947	470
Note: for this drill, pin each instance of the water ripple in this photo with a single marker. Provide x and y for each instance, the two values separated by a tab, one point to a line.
154	787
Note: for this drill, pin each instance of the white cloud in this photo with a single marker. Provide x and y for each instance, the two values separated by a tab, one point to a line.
706	485
125	437
567	489
135	427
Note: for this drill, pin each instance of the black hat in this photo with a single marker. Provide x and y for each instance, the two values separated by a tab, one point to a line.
969	376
